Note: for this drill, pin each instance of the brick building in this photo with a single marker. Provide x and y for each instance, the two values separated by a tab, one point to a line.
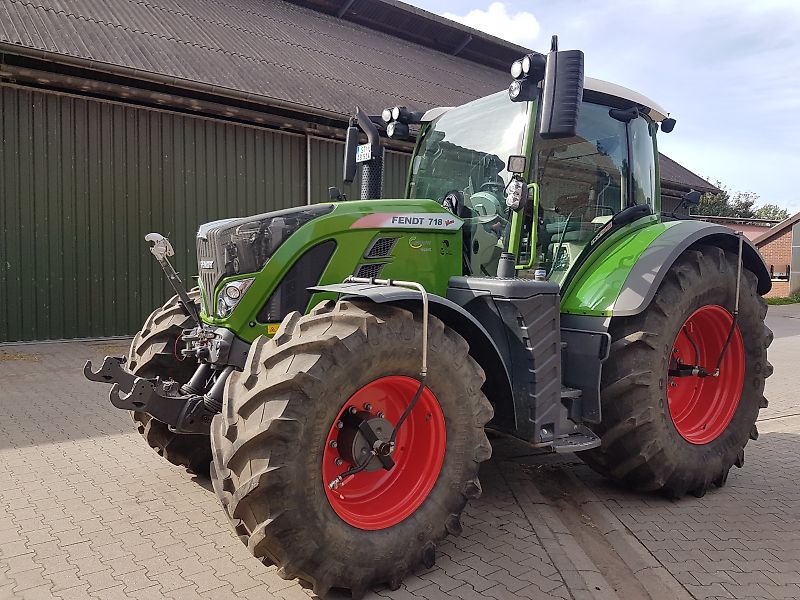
780	247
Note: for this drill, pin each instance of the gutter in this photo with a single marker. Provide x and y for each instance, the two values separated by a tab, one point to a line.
141	75
165	99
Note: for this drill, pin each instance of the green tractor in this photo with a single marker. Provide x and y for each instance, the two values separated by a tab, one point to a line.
340	362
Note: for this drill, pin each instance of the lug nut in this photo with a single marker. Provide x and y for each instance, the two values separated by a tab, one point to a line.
333	444
353	410
380	415
338	462
339	425
367	406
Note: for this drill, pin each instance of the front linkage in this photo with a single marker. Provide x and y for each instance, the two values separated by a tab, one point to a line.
187	408
190	408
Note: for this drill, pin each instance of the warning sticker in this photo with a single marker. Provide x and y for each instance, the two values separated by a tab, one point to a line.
272	328
440	221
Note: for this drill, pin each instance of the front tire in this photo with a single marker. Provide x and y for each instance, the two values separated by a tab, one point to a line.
153	353
274	452
683	434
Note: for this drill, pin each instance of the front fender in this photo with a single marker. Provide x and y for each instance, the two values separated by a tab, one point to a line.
482	347
623	277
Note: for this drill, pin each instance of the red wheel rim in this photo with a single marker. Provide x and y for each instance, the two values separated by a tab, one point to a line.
702	407
378	499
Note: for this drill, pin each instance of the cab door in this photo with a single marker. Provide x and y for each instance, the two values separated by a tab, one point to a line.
583	181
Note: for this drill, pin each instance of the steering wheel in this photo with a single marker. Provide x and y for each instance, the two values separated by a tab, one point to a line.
492	186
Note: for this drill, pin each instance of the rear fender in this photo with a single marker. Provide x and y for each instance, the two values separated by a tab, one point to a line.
622	280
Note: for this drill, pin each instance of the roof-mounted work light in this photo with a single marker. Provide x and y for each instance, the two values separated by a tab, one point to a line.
401	114
397	130
527	72
398	119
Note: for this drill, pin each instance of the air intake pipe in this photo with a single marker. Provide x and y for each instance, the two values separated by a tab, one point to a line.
370	154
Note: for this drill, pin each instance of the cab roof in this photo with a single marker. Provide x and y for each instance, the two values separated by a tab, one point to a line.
597	86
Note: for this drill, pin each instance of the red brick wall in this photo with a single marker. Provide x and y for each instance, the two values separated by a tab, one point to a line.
777	251
780	289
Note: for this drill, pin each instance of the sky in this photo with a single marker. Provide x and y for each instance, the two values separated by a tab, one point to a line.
727	70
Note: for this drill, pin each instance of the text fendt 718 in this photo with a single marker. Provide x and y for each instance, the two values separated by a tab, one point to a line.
339	362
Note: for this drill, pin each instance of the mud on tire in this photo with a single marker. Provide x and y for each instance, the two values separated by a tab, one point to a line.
153	353
641	445
270	439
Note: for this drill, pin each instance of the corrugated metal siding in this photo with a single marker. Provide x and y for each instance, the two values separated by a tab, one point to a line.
326	164
395	172
326	161
81	183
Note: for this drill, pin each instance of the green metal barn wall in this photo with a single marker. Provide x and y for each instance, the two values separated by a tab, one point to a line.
326	160
82	181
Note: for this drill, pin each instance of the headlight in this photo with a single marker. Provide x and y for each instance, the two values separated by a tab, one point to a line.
516	69
230	295
516	194
526	64
232	292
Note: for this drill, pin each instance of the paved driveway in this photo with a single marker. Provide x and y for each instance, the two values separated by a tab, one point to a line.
87	510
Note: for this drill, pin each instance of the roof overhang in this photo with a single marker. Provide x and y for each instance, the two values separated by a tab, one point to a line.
779	228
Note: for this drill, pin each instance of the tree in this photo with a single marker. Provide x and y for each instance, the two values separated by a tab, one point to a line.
740	205
771	211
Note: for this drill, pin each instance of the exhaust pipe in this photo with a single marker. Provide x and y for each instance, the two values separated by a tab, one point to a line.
370	154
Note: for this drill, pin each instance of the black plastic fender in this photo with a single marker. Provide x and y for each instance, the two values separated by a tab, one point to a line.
649	271
482	346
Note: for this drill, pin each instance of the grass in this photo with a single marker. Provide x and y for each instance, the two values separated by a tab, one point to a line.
788	300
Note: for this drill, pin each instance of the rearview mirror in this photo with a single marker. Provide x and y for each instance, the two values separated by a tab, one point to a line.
667	125
350	149
692	197
562	92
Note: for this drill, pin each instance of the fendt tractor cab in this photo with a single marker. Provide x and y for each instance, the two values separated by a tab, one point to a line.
339	362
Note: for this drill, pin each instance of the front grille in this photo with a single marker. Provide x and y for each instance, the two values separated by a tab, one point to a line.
370	271
208	277
381	248
292	292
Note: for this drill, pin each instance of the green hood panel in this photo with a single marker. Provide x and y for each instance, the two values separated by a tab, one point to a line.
427	249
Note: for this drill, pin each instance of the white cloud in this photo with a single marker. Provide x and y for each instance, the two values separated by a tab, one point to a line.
521	28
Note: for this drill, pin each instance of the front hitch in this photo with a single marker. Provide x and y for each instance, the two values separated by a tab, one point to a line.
163	399
162	250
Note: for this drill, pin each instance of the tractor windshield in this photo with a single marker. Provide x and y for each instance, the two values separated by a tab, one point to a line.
461	161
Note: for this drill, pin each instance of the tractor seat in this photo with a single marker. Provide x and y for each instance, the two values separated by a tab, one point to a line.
577	236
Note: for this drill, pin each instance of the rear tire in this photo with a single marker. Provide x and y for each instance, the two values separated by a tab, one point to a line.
667	434
272	444
153	353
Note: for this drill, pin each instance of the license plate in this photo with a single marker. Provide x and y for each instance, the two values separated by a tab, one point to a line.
363	153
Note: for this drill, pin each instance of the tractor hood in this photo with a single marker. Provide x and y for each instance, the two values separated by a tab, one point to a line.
232	247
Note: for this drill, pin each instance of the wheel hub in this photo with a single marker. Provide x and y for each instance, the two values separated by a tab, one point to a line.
352	442
398	477
702	402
